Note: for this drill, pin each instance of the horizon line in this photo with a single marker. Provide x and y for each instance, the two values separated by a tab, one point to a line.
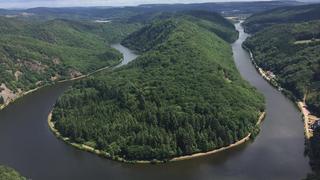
143	4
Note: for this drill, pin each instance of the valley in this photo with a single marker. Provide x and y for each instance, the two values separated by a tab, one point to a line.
110	92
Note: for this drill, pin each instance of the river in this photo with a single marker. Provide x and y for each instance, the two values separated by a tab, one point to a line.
128	55
277	153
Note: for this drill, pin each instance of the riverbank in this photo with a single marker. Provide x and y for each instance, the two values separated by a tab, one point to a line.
88	148
107	155
22	94
308	119
268	76
245	139
305	114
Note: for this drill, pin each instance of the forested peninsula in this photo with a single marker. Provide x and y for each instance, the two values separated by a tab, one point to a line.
181	96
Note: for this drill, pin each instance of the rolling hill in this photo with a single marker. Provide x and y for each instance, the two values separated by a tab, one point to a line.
113	13
290	14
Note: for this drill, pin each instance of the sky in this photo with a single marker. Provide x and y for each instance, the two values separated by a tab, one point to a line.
68	3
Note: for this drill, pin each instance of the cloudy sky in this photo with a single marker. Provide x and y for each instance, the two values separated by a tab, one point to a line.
63	3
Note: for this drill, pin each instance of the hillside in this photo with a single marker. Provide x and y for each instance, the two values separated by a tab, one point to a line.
181	96
291	52
214	22
291	14
34	53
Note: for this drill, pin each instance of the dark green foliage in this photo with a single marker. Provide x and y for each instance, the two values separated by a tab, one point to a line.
156	33
314	154
181	96
291	14
33	52
297	65
7	173
213	22
1	100
150	36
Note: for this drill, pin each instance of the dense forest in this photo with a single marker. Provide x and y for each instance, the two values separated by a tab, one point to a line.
314	154
34	53
182	95
214	22
289	14
291	51
7	173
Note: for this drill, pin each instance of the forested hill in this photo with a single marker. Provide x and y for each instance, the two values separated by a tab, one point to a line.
291	14
181	96
291	52
147	9
150	35
34	53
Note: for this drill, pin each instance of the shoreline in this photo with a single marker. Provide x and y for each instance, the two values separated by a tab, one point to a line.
308	118
299	104
175	159
237	143
305	119
87	148
22	94
262	72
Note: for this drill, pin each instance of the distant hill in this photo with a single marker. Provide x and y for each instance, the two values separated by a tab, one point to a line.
227	8
291	14
208	20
